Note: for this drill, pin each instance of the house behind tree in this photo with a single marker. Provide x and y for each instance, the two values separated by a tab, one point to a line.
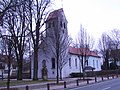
4	67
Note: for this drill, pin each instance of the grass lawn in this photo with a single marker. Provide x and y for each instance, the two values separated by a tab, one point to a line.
23	82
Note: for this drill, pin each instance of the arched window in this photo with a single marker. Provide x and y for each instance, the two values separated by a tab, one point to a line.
76	62
63	31
53	24
93	63
53	63
61	24
64	25
44	63
49	25
69	62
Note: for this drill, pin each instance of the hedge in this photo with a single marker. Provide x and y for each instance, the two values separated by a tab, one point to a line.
96	73
9	89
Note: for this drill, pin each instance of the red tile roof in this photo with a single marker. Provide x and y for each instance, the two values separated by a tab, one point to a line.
82	51
54	14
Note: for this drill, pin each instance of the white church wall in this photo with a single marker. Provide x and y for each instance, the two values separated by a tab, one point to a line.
94	62
74	67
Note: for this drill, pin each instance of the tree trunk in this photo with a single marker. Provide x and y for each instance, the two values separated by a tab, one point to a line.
8	80
35	72
57	72
19	73
60	73
83	67
106	60
20	66
115	63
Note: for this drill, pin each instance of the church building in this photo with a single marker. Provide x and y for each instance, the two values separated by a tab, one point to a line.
56	35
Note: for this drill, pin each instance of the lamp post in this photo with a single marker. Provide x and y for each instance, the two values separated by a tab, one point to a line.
2	69
2	73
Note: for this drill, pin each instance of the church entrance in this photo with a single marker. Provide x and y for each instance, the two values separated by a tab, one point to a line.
44	70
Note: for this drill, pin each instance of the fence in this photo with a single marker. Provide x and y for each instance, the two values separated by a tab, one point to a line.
70	84
78	82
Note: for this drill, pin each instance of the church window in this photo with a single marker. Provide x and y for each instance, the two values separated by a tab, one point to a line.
64	25
44	63
69	62
49	25
53	63
61	23
93	63
63	31
97	63
76	62
87	62
53	24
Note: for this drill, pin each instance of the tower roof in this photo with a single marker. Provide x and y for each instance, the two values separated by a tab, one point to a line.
54	14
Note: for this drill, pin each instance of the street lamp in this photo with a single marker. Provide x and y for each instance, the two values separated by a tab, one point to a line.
2	69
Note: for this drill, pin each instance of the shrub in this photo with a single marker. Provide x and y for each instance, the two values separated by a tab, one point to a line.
9	89
76	75
96	73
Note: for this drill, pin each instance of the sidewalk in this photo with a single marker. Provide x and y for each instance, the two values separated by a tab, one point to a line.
70	83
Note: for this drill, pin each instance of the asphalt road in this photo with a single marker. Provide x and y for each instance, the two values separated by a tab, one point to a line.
113	84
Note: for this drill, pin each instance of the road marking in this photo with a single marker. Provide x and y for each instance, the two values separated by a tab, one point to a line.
106	88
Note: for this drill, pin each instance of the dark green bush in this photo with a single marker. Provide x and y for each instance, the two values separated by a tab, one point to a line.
96	73
9	89
76	75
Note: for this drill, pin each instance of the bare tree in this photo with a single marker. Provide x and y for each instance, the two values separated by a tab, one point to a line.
6	44
5	7
59	42
63	52
38	11
9	53
114	36
84	44
21	11
16	24
105	47
109	46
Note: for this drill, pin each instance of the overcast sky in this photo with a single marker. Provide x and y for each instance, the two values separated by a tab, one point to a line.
96	16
